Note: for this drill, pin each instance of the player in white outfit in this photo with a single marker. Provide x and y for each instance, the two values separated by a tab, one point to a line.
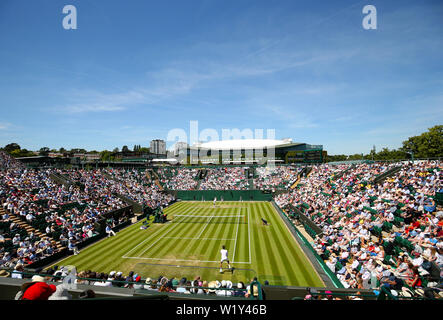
224	257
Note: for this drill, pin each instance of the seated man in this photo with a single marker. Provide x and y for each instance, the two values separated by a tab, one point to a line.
109	231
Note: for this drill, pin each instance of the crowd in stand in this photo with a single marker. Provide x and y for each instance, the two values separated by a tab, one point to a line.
178	178
387	234
373	234
277	177
133	184
53	284
64	213
225	178
61	213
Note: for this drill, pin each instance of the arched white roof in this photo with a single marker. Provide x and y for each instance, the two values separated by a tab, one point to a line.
242	144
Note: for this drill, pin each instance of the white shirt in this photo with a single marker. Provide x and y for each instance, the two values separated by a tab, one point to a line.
224	254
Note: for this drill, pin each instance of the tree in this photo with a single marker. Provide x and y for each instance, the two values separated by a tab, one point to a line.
106	155
44	151
125	149
427	145
11	147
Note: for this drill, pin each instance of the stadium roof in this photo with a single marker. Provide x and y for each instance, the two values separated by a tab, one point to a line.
165	160
242	144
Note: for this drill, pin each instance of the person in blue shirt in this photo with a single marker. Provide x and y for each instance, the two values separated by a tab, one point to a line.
109	231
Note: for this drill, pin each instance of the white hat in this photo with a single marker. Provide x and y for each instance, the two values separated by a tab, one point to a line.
420	291
406	292
223	283
111	273
119	273
37	278
228	284
394	293
239	285
211	286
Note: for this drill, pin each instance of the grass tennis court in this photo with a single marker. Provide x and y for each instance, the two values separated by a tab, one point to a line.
189	245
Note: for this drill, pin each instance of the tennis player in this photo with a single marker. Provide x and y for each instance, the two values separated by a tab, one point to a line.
224	257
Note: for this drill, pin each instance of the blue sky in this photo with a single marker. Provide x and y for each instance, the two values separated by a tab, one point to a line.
134	70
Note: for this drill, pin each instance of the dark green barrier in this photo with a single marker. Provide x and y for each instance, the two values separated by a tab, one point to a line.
226	195
386	174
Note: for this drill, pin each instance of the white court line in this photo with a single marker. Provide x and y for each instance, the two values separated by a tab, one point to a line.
152	235
217	261
249	238
160	238
196	238
236	236
186	211
207	223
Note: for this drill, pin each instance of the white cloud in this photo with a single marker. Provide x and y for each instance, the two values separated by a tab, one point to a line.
4	126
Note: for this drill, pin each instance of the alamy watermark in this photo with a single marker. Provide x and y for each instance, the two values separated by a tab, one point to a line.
191	148
70	20
370	20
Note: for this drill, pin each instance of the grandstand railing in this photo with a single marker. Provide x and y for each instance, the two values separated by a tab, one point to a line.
309	225
386	174
255	291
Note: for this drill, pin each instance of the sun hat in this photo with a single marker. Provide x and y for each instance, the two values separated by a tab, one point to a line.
37	278
4	273
420	292
407	292
212	285
148	281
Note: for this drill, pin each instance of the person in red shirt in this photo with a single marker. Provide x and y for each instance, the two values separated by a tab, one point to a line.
37	289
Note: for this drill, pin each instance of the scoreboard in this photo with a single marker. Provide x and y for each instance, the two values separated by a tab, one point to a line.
304	156
314	156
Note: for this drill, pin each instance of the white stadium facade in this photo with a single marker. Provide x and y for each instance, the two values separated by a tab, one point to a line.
249	151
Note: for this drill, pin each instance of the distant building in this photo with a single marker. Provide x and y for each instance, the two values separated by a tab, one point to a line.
87	156
55	154
249	151
180	147
158	146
